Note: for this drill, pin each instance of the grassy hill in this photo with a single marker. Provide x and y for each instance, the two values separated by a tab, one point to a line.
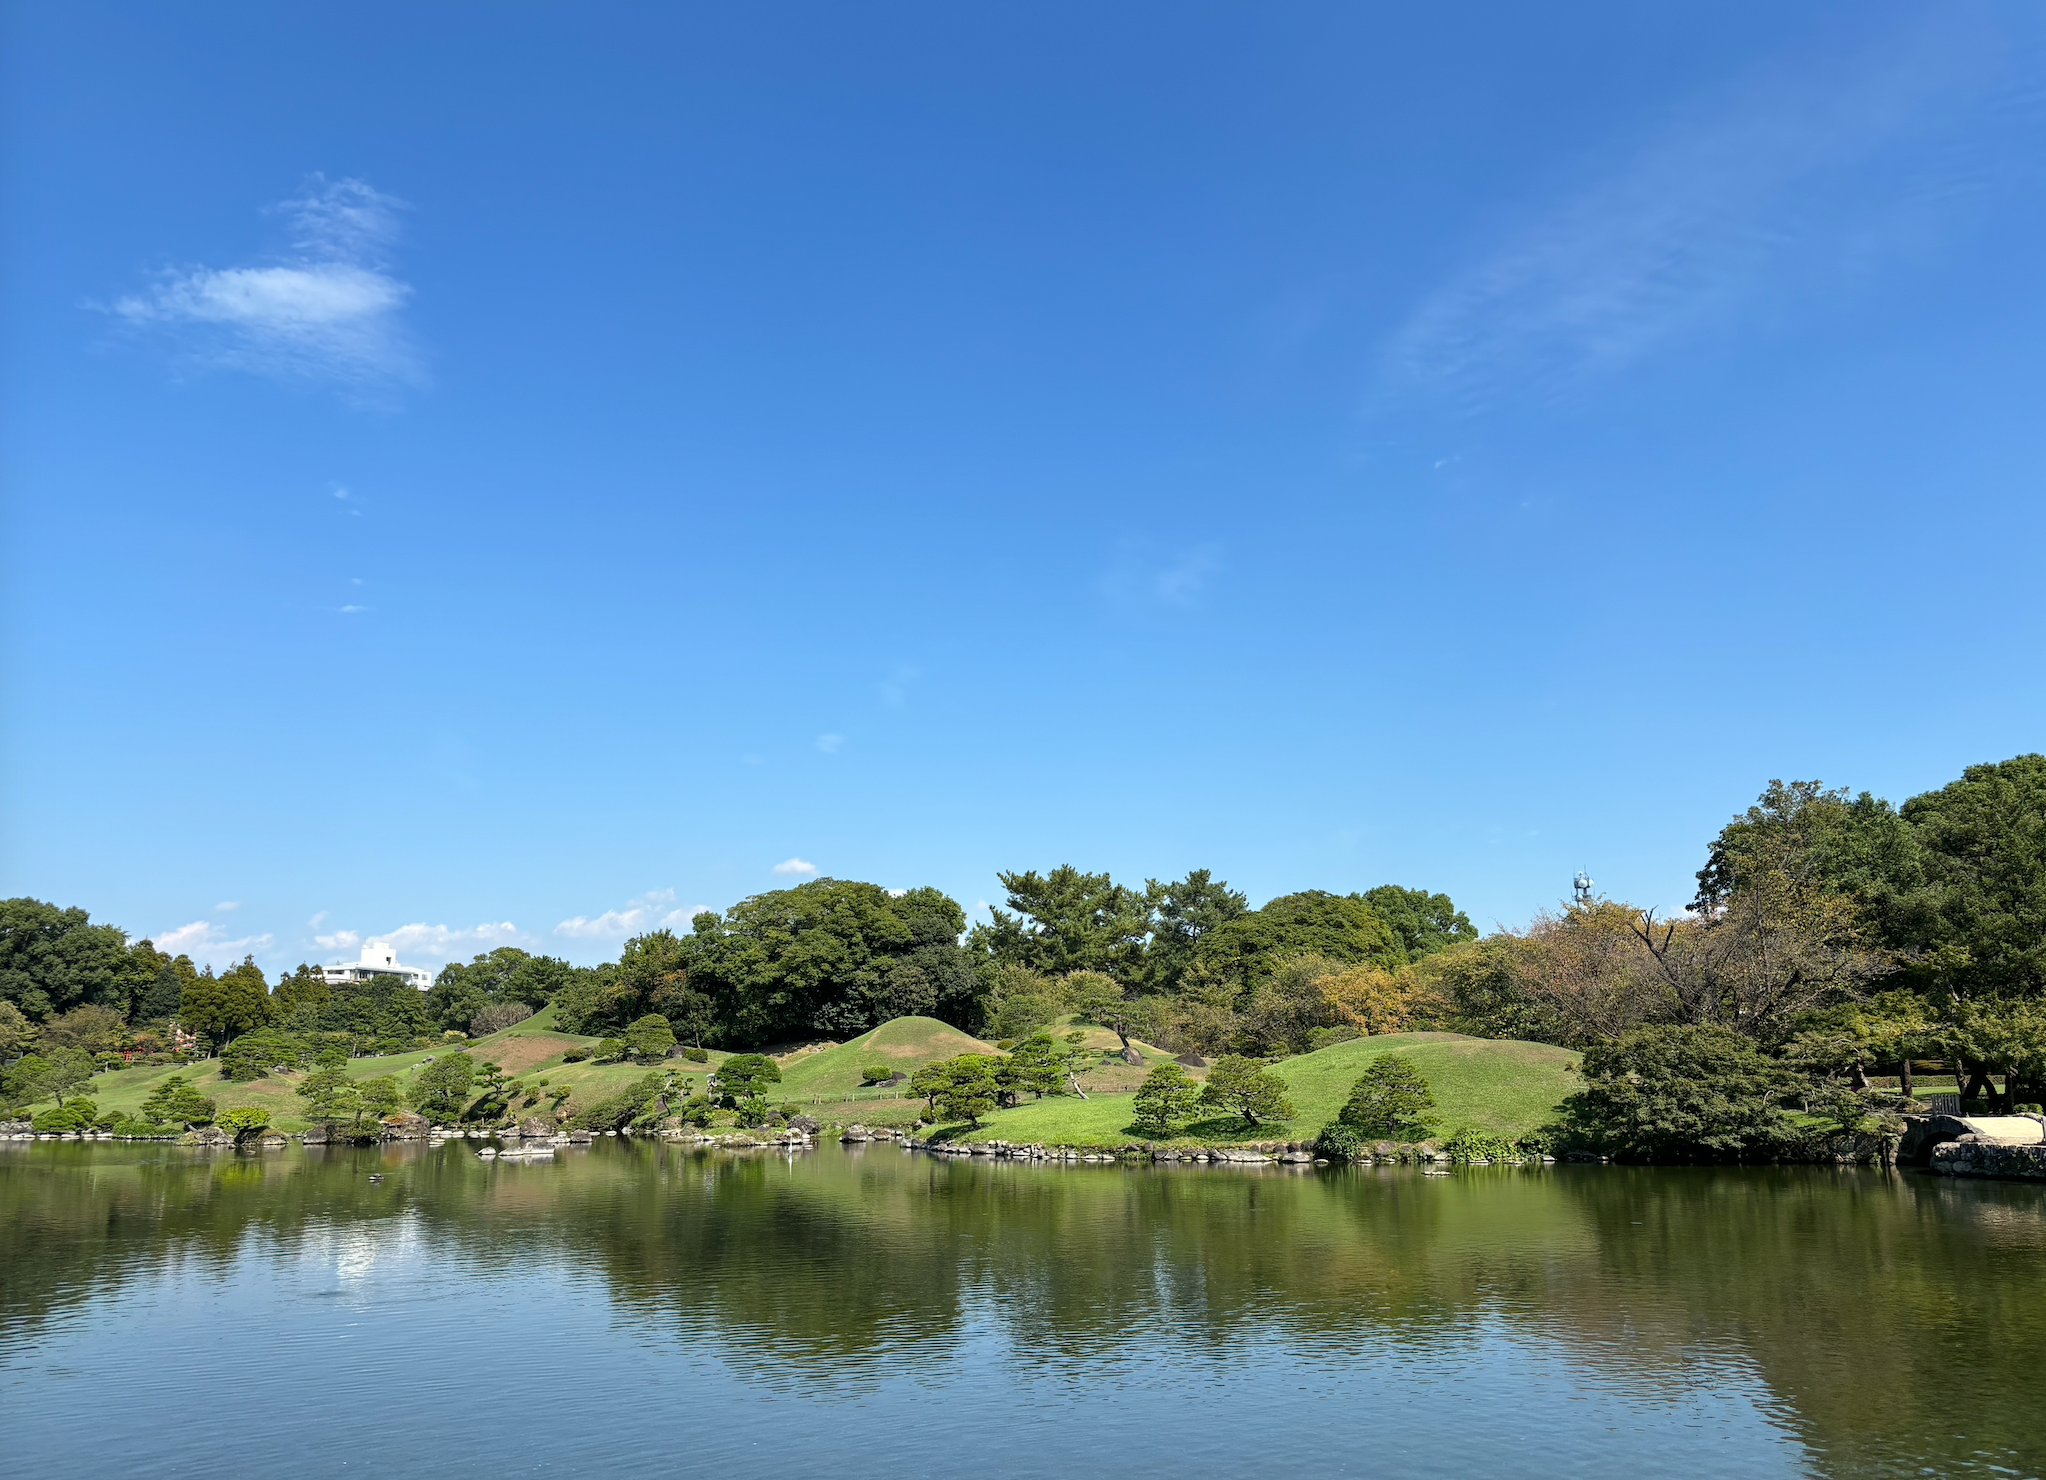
1498	1085
905	1043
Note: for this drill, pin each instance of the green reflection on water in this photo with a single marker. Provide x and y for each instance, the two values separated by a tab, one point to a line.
1900	1321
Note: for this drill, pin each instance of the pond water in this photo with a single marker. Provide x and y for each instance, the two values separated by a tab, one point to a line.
645	1309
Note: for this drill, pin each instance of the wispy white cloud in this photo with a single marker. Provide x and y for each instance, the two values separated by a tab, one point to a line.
1144	579
654	910
225	905
420	939
330	311
829	744
800	867
896	688
1823	161
205	943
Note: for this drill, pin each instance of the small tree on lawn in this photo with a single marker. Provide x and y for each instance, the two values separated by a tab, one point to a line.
244	1121
1247	1088
65	1070
1167	1099
970	1088
175	1102
1390	1100
650	1037
1038	1065
746	1076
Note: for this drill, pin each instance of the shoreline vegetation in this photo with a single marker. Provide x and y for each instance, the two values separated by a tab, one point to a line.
1842	959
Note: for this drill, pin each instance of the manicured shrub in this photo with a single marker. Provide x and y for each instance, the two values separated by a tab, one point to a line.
73	1115
575	1055
1341	1141
877	1074
244	1121
1167	1100
696	1055
1389	1101
1469	1146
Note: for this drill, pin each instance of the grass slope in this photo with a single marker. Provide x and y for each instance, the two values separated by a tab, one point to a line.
904	1043
1498	1085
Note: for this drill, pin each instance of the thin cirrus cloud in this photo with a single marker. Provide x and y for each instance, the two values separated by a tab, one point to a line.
654	910
329	311
1138	579
1814	170
795	868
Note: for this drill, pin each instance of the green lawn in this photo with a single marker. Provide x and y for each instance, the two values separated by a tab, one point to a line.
905	1044
1498	1085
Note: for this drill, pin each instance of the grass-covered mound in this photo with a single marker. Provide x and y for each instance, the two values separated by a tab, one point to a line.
1497	1085
905	1043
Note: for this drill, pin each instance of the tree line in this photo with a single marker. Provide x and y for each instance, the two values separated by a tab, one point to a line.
1831	932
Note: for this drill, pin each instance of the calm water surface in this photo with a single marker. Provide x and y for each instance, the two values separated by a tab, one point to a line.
641	1309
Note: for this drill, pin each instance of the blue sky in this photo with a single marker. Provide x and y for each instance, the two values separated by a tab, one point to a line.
481	474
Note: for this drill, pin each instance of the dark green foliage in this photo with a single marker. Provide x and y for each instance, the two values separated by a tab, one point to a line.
1183	914
1067	921
327	1093
575	1055
1424	922
970	1089
878	1074
1247	1089
609	1051
376	1098
442	1087
1390	1101
1038	1066
1167	1099
177	1103
1342	928
696	1055
52	1074
1343	1142
696	1111
650	1037
834	957
746	1076
1469	1146
1983	841
505	975
253	1055
75	1115
1683	1094
229	1005
53	959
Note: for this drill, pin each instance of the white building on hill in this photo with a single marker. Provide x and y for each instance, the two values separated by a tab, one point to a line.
378	959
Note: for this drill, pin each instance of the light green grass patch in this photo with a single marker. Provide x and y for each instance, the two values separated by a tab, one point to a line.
904	1043
1499	1085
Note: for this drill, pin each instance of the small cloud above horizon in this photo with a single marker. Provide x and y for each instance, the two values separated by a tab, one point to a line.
329	311
421	939
829	744
795	867
654	910
204	943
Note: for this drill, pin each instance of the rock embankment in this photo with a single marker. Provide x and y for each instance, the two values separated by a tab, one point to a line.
1976	1145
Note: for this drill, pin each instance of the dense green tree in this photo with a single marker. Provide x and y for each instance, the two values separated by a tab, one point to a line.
1182	914
178	1103
1067	921
442	1087
1424	922
254	1055
1167	1099
1983	842
159	999
64	1071
53	959
745	1076
300	1000
1097	998
1340	927
327	1093
832	956
244	1121
228	1005
89	1026
1019	1002
377	1097
970	1089
506	974
1389	1101
650	1037
17	1033
1038	1066
1684	1093
1247	1089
